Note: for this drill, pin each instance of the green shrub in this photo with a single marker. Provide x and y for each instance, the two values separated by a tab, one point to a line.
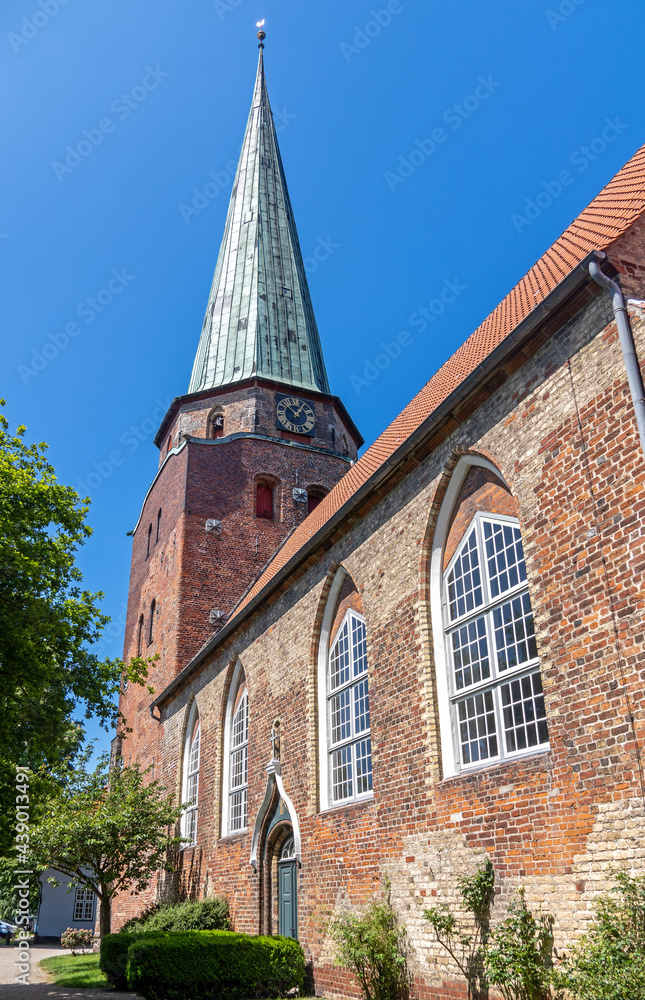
609	961
213	965
191	915
519	960
114	957
372	946
135	924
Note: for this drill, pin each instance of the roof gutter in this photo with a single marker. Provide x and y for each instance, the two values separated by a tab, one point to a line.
521	333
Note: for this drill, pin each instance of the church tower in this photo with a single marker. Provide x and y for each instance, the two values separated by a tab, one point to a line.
250	449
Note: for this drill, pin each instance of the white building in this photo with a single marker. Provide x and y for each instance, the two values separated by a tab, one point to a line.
59	908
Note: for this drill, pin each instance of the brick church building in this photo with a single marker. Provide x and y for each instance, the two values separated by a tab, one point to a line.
411	661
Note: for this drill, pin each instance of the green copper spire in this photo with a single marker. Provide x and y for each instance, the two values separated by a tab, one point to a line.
260	320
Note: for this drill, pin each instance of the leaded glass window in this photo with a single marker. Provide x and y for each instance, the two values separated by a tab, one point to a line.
238	765
350	745
496	696
191	786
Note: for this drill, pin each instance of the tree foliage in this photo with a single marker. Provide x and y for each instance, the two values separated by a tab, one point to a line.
609	961
11	883
48	622
519	958
372	946
110	832
467	945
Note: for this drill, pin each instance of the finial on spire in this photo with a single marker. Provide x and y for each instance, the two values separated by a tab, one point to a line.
261	34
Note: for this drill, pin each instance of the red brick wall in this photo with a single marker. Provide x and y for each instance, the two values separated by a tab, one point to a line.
347	598
628	257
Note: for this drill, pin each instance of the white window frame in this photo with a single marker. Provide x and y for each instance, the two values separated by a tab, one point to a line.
193	810
325	749
238	685
441	629
84	903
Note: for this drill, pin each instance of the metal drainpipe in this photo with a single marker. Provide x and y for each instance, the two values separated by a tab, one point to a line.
632	366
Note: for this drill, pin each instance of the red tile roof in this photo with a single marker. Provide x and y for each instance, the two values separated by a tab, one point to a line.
605	220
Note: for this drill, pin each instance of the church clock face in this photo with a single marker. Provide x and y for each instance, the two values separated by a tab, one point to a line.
295	415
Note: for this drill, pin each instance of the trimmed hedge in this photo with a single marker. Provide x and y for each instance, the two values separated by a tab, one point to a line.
213	965
114	957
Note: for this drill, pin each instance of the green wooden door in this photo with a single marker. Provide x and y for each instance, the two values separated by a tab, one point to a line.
288	891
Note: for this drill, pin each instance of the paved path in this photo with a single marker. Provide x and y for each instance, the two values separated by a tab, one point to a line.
39	987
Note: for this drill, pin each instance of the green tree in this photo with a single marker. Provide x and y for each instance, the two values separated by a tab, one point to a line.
48	623
10	882
608	963
372	946
467	947
519	959
110	832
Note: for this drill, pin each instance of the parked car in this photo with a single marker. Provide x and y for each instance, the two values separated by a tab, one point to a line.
7	931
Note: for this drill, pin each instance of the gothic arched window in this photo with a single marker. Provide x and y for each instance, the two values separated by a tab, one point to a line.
191	777
158	525
489	686
149	541
348	713
239	765
494	683
236	756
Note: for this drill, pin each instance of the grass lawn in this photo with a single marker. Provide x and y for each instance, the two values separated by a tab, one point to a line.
75	970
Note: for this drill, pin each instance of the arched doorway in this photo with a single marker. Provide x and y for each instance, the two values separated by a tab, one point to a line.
279	878
288	889
276	853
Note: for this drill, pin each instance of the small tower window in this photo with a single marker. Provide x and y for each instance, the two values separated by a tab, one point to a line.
169	445
158	525
264	501
151	630
314	496
140	636
216	423
149	543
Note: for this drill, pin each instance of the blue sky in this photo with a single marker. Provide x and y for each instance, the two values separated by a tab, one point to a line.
412	134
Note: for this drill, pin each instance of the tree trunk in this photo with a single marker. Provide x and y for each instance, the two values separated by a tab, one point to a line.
105	917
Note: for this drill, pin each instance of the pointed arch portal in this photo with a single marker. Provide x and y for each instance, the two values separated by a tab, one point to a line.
276	857
274	784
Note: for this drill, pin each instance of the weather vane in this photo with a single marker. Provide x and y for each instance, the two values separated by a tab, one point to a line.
261	33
